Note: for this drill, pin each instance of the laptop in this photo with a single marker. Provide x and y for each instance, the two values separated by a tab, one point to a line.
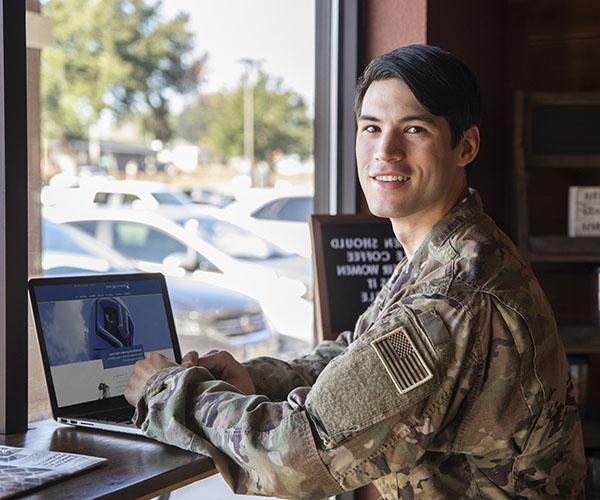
92	330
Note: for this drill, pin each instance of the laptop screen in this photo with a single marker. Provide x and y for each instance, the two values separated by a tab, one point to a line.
94	332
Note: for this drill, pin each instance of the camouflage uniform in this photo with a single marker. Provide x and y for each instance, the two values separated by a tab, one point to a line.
454	384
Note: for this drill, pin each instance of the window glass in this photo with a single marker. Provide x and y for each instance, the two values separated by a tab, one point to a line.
268	211
57	239
170	199
101	198
143	242
234	240
159	100
88	227
128	199
296	210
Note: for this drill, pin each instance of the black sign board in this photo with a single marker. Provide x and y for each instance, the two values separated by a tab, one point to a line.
354	255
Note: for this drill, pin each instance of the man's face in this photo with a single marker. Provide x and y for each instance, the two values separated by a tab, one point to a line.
406	165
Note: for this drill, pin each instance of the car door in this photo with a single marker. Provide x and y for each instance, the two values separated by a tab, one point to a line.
151	248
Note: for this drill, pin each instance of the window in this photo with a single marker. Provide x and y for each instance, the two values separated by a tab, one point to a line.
296	210
234	240
142	242
101	198
128	199
170	199
57	239
175	120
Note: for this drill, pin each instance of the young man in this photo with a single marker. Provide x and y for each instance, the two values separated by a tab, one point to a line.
454	383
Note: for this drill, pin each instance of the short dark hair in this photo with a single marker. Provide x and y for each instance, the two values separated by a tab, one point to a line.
441	82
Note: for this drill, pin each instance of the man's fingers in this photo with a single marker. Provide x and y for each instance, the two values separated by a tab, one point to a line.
216	362
190	358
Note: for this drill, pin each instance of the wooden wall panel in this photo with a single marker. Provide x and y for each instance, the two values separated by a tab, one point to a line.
475	32
555	45
393	23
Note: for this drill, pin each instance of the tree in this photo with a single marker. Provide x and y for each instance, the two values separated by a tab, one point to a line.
281	122
116	55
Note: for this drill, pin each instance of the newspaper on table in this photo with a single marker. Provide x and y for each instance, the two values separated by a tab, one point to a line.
22	469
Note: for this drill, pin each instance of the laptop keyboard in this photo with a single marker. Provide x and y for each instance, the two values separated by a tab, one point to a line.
117	416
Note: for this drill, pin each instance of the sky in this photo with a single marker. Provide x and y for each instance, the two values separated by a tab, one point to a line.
279	32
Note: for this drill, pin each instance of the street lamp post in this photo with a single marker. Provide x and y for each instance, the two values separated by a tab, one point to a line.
250	67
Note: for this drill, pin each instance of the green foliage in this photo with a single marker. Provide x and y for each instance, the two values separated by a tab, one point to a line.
118	55
281	122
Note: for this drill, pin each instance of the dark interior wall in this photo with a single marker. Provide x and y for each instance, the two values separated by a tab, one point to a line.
393	23
554	45
475	32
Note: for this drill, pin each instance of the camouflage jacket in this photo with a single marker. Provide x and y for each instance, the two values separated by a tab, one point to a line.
454	384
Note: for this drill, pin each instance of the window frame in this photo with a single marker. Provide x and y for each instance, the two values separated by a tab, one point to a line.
13	213
338	53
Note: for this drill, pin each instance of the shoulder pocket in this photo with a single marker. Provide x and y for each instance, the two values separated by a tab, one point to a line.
388	370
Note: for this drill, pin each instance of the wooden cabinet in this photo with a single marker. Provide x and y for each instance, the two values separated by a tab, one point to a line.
556	144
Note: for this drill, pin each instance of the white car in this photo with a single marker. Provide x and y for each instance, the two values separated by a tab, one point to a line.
206	316
280	217
99	193
156	243
240	243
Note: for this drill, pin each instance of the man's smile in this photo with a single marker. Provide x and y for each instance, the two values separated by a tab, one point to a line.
388	181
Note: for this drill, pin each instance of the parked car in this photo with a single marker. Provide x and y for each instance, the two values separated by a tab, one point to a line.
242	244
113	193
206	316
156	243
211	197
281	218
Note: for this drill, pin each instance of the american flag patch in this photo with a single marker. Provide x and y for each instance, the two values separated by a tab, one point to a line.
402	361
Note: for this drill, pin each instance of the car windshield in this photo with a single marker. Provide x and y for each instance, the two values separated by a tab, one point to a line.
61	239
233	240
166	198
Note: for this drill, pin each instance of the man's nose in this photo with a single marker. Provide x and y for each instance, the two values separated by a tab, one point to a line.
390	147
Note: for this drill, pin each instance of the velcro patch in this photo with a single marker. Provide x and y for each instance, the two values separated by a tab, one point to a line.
402	361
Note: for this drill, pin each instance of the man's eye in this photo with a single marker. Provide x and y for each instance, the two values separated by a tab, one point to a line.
371	129
414	129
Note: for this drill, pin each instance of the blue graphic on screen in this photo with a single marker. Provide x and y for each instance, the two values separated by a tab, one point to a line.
115	322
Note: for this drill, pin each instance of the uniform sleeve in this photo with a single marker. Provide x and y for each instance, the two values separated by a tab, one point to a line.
276	378
375	409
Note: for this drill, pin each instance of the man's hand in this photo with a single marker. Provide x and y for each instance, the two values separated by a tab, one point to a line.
222	366
142	371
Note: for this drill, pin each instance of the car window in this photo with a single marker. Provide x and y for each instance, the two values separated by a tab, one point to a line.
296	209
128	198
268	211
66	249
57	239
234	240
170	199
101	198
143	242
88	227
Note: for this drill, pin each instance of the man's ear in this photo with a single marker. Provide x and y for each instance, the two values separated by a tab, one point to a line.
468	147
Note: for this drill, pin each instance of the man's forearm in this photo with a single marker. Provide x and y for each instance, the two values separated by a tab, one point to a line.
276	378
259	446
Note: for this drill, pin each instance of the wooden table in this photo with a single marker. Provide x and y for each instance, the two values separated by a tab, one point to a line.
136	466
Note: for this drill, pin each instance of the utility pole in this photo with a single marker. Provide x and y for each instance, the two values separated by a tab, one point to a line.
250	68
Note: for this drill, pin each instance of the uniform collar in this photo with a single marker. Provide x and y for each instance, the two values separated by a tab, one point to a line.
434	246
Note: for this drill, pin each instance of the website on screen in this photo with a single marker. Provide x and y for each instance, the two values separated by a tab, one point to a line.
95	332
